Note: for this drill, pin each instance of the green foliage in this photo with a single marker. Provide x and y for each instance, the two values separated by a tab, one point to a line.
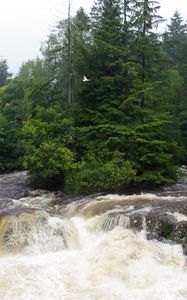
174	37
4	74
46	155
48	163
96	174
126	123
166	230
8	145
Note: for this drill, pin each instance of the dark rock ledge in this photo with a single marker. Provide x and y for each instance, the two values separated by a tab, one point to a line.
164	221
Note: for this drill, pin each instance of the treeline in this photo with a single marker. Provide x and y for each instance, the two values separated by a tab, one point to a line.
105	107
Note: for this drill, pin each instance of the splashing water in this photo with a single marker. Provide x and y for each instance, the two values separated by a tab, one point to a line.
36	232
73	259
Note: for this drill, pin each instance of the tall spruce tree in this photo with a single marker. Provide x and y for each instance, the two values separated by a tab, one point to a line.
4	74
174	37
64	53
100	124
150	144
174	44
102	90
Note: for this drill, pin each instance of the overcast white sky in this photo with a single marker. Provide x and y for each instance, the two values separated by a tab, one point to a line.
24	24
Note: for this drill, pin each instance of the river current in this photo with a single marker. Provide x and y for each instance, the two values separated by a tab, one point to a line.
71	252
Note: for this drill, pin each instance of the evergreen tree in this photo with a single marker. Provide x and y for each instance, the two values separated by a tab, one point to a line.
64	54
152	154
104	63
174	37
174	44
4	74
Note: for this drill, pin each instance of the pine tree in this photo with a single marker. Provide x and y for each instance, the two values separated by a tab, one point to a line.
64	56
104	59
152	154
174	37
4	74
175	45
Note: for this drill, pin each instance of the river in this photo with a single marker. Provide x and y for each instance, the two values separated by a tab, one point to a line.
95	248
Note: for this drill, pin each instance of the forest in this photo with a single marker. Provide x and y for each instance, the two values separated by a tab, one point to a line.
105	106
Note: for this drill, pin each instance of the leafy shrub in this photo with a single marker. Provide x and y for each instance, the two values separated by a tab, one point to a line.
95	175
46	156
48	164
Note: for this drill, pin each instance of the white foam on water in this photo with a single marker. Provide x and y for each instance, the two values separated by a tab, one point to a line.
102	204
179	217
115	265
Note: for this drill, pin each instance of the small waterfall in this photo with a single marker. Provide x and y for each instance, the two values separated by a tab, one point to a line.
36	231
144	226
113	264
111	221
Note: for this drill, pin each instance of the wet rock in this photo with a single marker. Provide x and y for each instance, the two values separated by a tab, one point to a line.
5	203
160	223
179	234
166	227
136	221
37	193
13	185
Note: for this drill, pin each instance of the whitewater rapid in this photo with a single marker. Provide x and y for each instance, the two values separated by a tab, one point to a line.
94	248
49	257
